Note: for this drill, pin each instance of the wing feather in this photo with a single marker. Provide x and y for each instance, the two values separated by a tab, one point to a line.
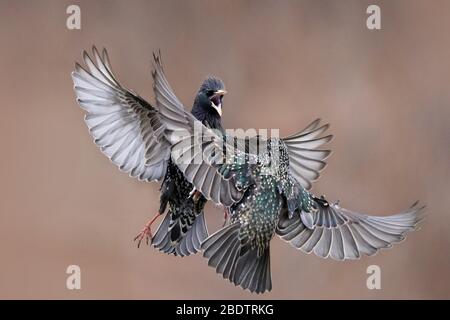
342	234
119	120
305	159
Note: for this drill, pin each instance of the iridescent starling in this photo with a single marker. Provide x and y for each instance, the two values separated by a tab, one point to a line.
276	202
265	184
122	126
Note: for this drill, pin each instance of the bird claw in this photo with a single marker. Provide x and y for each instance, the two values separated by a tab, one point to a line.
146	234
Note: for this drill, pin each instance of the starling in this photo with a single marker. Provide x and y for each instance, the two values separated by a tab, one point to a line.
276	201
119	120
266	184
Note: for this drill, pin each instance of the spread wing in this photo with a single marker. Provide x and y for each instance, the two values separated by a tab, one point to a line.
342	234
189	137
125	127
306	161
230	155
199	152
139	138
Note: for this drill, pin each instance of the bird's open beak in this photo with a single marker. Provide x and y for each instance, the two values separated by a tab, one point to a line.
216	101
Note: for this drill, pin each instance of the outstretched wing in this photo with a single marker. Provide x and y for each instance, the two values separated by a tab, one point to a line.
199	152
305	159
342	234
189	138
139	137
125	127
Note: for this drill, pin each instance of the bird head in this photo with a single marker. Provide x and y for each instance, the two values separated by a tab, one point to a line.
209	97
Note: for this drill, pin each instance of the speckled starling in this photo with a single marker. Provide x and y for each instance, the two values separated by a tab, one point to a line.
276	201
265	184
121	123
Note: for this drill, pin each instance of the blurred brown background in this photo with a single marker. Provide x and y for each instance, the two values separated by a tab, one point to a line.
386	94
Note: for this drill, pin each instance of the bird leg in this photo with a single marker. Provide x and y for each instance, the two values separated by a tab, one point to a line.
146	232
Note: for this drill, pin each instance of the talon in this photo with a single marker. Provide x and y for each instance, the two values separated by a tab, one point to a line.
145	233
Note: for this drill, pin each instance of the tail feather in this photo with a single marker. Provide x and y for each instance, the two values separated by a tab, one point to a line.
218	259
248	270
228	257
161	239
190	243
227	268
197	234
200	233
256	284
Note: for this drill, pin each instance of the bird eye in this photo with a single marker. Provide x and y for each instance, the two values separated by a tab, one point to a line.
209	93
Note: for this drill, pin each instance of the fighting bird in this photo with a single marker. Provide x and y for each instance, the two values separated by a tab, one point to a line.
122	125
263	182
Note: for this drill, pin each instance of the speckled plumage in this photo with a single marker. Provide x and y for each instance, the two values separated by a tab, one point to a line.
274	202
268	184
266	192
258	210
184	213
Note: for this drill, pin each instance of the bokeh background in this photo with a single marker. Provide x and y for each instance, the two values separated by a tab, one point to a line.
386	94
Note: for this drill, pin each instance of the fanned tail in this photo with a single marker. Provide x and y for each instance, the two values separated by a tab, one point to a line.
241	265
172	239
